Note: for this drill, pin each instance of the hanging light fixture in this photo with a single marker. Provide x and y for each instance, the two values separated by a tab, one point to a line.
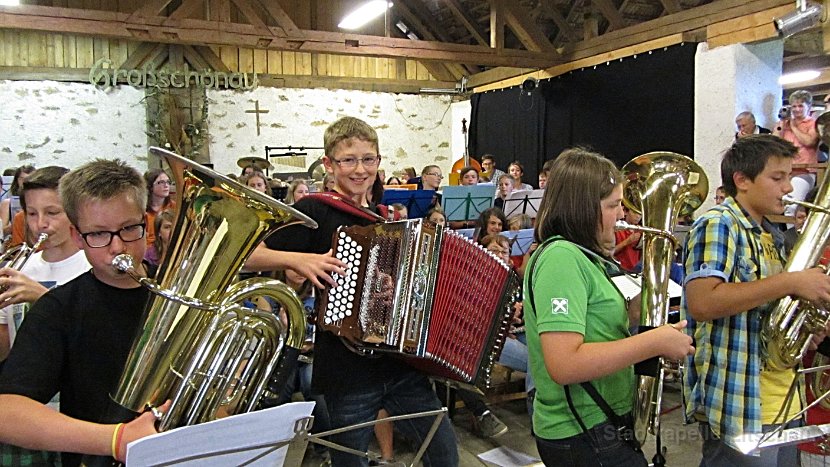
364	13
806	15
798	77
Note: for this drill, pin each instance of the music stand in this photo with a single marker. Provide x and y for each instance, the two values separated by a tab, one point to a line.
464	203
520	241
523	202
417	202
469	233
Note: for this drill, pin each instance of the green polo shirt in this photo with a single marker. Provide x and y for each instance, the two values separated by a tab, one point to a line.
573	293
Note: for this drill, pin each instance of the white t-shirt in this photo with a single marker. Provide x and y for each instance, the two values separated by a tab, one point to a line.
48	274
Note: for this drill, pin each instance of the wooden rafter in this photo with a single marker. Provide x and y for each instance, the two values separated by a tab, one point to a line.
202	32
251	15
671	6
497	24
525	29
151	8
472	27
281	17
186	9
549	9
455	70
419	14
569	18
610	12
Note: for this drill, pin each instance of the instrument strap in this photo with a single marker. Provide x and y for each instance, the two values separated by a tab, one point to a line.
344	203
615	419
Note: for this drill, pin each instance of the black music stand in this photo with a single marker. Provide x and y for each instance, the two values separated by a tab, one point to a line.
464	203
417	202
523	202
520	241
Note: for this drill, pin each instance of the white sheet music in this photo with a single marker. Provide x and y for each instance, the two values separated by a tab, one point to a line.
236	440
630	286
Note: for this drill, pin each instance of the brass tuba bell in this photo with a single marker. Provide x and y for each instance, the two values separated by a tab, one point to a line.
661	186
198	347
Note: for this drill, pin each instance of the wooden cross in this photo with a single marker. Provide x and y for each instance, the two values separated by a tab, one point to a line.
256	112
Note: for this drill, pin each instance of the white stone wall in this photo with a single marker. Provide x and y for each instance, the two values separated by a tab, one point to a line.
414	130
728	81
50	123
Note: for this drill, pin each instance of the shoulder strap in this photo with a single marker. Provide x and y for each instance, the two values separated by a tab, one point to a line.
338	201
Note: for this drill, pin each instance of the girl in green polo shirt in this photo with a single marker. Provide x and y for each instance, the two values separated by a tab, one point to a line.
577	322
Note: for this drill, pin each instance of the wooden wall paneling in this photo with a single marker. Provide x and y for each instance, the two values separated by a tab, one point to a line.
132	46
422	73
289	63
346	65
333	65
411	69
9	47
304	63
400	69
84	52
50	51
195	59
21	50
356	67
230	57
37	49
382	68
318	65
119	51
212	58
246	60
100	49
70	51
3	47
260	61
274	62
57	51
175	56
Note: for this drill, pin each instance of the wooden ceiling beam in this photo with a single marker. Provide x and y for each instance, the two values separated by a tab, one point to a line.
251	15
497	24
281	17
202	32
214	62
186	9
151	8
549	9
671	6
609	11
525	29
570	17
415	21
470	24
683	22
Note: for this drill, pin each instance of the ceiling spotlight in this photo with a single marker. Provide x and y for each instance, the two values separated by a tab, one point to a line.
365	13
529	84
806	15
798	77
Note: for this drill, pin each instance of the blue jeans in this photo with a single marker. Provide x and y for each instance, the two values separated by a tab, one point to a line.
717	454
602	447
406	395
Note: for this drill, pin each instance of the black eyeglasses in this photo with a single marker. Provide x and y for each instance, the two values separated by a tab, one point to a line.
103	238
351	162
162	182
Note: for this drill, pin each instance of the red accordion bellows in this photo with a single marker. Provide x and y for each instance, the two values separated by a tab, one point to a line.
423	293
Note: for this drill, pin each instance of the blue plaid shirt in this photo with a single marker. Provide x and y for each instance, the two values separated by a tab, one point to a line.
722	383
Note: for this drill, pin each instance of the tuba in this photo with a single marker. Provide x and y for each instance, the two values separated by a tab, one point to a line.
198	347
661	186
785	334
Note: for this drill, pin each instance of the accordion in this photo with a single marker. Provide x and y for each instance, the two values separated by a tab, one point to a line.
422	292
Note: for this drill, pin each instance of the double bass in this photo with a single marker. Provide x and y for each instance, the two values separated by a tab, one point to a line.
464	161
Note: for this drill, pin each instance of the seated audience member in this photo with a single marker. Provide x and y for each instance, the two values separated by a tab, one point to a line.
468	176
720	195
408	175
163	227
516	170
11	205
437	216
627	249
398	212
75	338
58	261
259	182
514	353
490	172
393	181
248	170
158	199
491	221
503	190
328	183
745	121
791	234
297	190
799	128
520	222
543	178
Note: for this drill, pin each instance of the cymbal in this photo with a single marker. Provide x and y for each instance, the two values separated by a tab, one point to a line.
257	162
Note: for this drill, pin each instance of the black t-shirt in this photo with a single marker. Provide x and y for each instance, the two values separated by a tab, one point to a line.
337	369
75	341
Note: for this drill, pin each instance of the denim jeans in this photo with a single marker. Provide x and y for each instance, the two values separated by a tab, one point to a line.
717	454
408	394
514	356
601	448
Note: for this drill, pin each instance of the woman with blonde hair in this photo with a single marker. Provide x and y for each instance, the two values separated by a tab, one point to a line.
296	191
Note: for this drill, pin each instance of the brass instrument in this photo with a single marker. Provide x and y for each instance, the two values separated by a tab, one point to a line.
661	186
17	257
785	334
198	347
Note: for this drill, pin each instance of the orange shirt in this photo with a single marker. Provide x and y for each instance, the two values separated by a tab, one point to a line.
18	229
150	230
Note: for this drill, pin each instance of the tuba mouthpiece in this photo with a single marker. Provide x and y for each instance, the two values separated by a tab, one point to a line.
123	262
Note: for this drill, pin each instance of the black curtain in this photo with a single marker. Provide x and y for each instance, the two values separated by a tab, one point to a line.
621	109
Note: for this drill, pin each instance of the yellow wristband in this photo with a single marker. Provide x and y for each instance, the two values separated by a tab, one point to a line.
114	442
